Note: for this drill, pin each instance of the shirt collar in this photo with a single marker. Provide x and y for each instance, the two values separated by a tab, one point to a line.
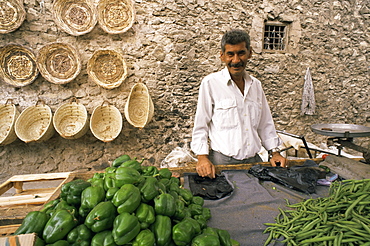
226	76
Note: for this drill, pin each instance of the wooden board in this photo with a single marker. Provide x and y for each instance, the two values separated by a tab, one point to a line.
19	240
22	194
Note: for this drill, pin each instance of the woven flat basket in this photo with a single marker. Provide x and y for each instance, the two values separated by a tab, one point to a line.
106	122
116	16
8	116
71	120
35	123
75	17
17	65
139	107
12	15
59	63
107	68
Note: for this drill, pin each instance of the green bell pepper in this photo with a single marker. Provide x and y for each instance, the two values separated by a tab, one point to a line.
206	240
59	243
101	217
149	189
110	193
186	195
65	205
121	159
80	236
162	229
149	170
206	213
210	230
39	242
127	198
125	228
90	197
224	236
104	238
110	170
34	222
110	181
145	214
59	225
165	204
165	173
144	238
127	175
198	200
97	182
195	209
71	191
201	221
133	164
180	212
183	232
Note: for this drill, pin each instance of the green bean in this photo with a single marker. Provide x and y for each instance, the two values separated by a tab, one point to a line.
349	209
318	239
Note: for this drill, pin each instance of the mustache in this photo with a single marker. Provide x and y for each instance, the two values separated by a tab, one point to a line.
239	64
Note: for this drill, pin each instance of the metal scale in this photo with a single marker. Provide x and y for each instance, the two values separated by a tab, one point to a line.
341	135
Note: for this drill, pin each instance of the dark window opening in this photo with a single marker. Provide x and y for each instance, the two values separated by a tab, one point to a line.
274	37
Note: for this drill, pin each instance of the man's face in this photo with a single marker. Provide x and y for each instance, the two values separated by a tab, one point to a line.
235	57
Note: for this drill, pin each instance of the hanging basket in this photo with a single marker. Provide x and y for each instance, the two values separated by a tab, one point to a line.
107	68
12	15
59	63
71	120
139	107
17	65
75	17
35	123
106	122
8	116
116	16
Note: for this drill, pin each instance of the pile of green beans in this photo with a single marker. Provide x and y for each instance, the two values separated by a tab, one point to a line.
342	218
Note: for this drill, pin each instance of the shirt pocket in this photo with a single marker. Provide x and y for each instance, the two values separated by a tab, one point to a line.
225	114
254	111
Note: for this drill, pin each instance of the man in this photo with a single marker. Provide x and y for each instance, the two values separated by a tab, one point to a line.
233	113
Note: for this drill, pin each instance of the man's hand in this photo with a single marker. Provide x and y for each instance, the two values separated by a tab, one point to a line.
205	168
278	160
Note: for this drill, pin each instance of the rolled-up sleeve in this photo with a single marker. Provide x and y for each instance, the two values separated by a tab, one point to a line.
203	115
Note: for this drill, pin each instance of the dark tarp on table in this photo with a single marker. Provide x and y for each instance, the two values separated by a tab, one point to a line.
250	205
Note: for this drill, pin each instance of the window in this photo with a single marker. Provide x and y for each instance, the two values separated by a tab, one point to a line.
275	36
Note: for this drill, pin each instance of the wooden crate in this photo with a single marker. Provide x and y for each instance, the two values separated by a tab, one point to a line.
22	194
20	240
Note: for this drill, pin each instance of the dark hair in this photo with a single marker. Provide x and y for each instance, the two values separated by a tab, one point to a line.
235	36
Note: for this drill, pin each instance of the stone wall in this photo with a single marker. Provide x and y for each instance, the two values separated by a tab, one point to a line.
172	45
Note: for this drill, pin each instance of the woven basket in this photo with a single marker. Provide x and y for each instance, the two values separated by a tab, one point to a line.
35	123
107	68
8	116
71	120
17	65
106	122
116	16
12	15
59	63
75	17
139	107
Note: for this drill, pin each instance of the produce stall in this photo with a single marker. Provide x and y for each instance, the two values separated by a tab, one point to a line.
251	214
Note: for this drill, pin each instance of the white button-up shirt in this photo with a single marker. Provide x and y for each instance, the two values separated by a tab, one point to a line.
236	124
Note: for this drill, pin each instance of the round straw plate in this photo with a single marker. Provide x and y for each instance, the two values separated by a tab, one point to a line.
116	16
17	65
139	107
35	123
8	116
107	68
59	63
12	15
76	17
71	120
106	122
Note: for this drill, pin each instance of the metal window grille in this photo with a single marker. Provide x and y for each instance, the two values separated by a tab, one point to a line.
274	37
